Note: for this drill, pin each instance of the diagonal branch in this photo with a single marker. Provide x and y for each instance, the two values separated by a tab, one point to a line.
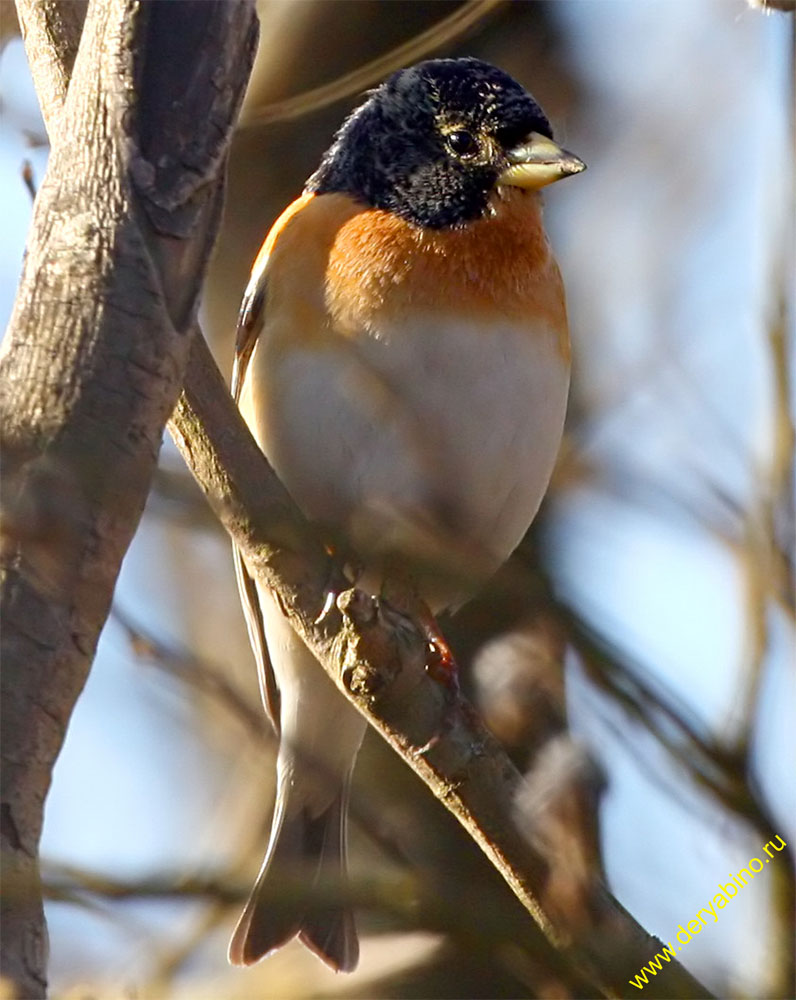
384	672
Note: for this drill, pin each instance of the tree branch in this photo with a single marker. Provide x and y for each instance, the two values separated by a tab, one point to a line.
51	31
383	670
94	358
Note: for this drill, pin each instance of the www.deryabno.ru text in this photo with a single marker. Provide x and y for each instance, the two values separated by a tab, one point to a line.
726	892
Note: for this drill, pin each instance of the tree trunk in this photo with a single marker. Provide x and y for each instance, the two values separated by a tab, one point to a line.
92	365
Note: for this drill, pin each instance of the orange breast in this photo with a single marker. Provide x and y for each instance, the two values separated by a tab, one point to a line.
501	266
357	266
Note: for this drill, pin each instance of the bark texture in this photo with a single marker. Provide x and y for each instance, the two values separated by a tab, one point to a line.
51	29
93	361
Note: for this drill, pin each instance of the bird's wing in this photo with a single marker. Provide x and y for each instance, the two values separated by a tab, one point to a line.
250	322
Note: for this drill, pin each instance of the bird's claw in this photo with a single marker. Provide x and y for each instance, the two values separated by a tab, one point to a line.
328	604
441	667
440	664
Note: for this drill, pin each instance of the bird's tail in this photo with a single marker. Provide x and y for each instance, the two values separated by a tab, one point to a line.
312	853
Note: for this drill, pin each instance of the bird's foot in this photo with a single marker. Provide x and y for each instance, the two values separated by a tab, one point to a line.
440	662
344	571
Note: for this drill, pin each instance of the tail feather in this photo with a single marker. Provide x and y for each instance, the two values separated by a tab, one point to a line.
329	931
332	936
314	850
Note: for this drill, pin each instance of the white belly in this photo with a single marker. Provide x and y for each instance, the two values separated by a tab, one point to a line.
416	445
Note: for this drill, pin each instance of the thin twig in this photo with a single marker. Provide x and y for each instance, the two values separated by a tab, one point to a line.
197	673
27	178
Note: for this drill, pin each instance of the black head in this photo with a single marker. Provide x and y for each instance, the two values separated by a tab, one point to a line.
431	142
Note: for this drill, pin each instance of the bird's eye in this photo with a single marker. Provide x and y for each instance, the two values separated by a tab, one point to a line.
461	142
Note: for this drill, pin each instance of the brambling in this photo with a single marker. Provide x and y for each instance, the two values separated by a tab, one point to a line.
403	362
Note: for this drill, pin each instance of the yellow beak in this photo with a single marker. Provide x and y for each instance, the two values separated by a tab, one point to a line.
539	161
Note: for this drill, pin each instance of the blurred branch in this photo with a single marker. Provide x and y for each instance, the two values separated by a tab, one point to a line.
768	563
71	883
411	899
195	673
175	497
727	773
788	6
359	79
28	180
720	770
173	956
9	28
760	533
780	514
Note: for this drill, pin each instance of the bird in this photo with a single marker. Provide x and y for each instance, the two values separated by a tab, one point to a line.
402	359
